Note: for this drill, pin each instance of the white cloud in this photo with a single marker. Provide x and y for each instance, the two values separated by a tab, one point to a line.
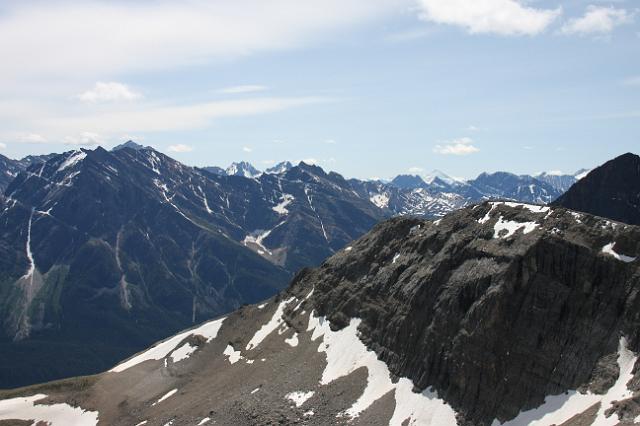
141	118
330	141
461	146
597	20
473	128
109	92
3	145
504	17
32	138
415	170
93	38
84	139
247	149
179	148
249	88
310	161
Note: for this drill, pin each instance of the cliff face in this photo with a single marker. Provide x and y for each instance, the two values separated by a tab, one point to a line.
494	307
611	190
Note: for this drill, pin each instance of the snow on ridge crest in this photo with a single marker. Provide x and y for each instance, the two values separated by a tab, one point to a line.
72	160
512	227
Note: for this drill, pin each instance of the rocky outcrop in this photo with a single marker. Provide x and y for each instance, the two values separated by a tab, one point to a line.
494	307
611	190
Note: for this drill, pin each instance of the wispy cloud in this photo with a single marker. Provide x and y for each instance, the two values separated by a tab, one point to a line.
248	88
503	17
247	149
32	138
3	145
411	34
632	81
415	170
461	146
109	92
180	148
597	20
84	139
330	141
112	38
141	118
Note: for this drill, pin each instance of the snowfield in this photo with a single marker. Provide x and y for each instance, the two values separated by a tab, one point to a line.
27	408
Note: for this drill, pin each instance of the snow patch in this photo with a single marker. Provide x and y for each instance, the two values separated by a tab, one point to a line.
166	396
299	397
203	421
557	409
292	341
348	248
380	200
512	227
533	208
608	249
395	258
208	330
234	356
72	160
274	323
32	263
183	352
282	207
25	408
346	353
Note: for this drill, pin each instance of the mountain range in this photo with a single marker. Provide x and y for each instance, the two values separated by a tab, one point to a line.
500	313
104	252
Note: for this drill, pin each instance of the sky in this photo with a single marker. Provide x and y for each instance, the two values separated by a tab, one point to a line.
369	89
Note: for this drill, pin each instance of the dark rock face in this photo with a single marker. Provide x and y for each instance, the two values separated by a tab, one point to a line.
9	169
408	182
492	320
611	190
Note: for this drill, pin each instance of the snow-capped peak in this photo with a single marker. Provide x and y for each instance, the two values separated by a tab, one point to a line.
279	168
243	168
437	174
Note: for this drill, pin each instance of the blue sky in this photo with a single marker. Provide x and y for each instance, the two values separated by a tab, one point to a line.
368	89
